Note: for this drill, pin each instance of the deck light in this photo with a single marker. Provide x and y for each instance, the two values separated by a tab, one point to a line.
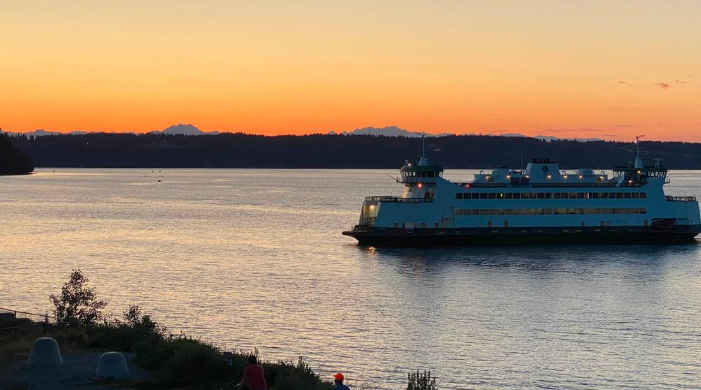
508	176
580	176
550	177
564	177
420	185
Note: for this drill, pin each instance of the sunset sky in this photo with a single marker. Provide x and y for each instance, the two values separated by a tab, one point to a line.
607	69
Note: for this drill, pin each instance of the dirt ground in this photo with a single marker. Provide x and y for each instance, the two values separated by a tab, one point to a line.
78	371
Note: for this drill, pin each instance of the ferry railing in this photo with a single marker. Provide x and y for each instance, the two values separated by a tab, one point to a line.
394	199
669	198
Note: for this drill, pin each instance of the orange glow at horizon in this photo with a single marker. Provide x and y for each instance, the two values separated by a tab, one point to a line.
604	69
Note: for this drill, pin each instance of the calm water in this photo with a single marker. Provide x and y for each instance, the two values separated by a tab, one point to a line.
255	258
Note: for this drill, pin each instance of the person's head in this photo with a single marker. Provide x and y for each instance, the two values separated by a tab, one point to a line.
252	359
338	378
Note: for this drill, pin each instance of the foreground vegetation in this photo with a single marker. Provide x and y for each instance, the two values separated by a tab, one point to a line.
174	361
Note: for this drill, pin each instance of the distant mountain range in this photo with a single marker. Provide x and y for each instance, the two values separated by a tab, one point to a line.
184	129
389	131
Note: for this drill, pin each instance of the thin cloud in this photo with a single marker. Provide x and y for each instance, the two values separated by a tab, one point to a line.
662	85
680	81
625	125
575	130
623	82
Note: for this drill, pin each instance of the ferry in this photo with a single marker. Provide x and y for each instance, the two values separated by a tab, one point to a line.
540	204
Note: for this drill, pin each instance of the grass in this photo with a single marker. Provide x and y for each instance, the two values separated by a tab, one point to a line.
174	361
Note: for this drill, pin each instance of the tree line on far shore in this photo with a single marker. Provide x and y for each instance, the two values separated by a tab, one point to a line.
105	150
12	160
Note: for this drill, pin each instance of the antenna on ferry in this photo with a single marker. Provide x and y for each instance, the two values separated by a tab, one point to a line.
638	161
423	145
423	161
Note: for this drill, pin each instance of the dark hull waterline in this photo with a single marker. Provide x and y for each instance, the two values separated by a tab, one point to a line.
524	236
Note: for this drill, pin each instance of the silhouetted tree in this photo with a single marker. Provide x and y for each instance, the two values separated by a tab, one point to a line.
12	160
77	302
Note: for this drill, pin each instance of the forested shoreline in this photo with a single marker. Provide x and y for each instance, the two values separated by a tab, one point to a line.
12	160
105	150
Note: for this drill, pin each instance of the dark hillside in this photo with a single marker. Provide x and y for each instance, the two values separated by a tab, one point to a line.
337	151
12	160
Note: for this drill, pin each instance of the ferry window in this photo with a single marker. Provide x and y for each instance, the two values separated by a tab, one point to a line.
635	195
548	195
509	195
423	224
595	195
547	211
484	212
580	195
635	211
643	194
556	195
533	195
500	211
627	195
484	195
430	174
500	195
619	195
517	195
573	195
643	210
574	211
458	196
492	195
597	211
492	212
628	211
475	211
541	195
508	211
563	195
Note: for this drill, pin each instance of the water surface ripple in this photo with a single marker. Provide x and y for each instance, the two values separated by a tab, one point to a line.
254	258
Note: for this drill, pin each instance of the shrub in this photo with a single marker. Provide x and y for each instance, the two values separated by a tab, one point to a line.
421	381
77	302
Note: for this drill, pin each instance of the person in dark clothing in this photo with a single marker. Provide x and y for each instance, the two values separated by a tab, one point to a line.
253	376
338	382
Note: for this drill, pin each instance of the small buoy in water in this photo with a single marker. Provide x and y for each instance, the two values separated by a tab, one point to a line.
159	181
112	365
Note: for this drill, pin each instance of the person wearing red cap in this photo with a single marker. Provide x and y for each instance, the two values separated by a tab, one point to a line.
338	382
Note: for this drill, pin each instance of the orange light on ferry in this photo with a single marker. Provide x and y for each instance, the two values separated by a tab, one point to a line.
581	177
550	177
419	185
